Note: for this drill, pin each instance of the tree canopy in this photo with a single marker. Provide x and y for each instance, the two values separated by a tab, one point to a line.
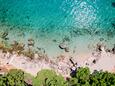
81	77
13	78
48	78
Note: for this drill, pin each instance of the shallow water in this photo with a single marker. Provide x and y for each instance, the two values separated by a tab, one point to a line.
47	21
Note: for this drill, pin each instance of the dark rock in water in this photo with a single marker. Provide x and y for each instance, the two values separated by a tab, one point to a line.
108	50
113	24
67	49
101	39
4	35
54	40
113	49
113	4
66	39
62	46
31	42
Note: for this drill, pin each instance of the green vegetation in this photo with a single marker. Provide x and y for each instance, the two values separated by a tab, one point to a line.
81	77
48	78
28	76
97	78
13	78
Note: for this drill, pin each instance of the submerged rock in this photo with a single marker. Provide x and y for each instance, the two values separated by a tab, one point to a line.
62	46
113	4
67	49
113	49
66	39
31	42
4	35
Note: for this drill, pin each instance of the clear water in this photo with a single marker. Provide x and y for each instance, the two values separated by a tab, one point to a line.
47	20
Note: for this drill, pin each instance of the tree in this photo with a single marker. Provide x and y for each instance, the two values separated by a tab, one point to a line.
3	81
101	78
82	77
15	78
48	78
73	82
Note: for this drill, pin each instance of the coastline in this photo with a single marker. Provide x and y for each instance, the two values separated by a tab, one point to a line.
80	41
32	55
104	61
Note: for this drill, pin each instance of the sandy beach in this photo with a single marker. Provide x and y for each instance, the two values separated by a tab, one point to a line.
95	61
57	42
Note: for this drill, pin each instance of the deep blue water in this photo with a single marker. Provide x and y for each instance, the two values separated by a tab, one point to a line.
68	17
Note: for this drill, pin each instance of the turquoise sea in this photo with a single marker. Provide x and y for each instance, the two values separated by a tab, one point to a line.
49	22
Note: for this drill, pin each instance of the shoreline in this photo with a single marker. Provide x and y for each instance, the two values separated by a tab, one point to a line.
61	65
81	42
90	52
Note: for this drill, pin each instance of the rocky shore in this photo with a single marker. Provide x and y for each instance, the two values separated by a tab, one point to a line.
100	59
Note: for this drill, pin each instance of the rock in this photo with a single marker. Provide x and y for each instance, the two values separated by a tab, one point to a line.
62	45
66	39
67	49
31	42
54	40
4	35
94	61
113	4
113	49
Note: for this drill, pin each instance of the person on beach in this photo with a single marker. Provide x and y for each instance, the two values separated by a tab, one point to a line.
74	67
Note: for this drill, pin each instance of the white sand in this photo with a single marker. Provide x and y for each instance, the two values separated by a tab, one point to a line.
105	61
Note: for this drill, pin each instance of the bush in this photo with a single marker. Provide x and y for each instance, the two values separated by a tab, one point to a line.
13	78
48	78
82	77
